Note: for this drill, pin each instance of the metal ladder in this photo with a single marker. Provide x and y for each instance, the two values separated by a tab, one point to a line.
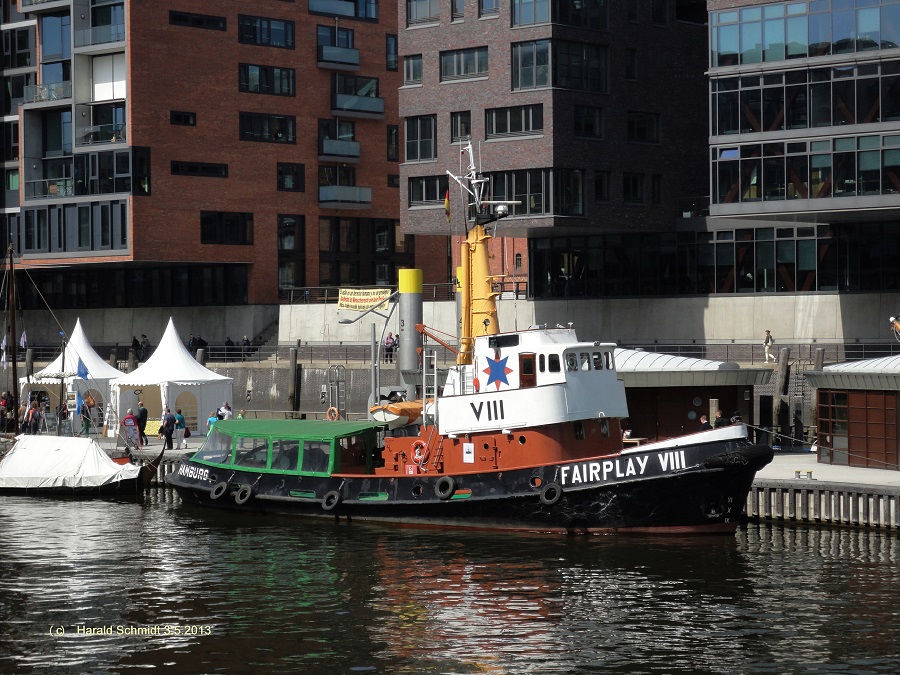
337	390
429	385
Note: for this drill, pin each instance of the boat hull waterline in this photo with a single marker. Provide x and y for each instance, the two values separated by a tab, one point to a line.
693	488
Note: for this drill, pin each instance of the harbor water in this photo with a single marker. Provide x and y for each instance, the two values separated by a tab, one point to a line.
129	586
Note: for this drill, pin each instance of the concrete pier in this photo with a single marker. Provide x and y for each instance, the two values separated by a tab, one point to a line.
796	488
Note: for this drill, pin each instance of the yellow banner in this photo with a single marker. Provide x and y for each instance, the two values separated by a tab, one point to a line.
362	299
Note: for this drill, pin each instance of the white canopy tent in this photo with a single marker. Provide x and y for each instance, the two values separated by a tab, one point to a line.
79	370
171	377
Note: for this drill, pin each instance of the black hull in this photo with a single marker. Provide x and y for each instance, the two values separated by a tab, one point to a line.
705	492
123	488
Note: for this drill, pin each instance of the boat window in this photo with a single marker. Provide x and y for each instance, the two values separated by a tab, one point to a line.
216	449
526	370
500	341
571	362
316	456
284	454
585	361
252	452
353	452
541	362
609	360
553	363
598	360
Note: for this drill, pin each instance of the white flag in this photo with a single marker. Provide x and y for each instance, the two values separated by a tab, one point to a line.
22	340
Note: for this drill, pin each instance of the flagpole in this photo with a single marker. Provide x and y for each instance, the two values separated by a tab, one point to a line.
11	307
62	384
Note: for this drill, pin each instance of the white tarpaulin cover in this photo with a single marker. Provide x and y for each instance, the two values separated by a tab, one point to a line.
44	462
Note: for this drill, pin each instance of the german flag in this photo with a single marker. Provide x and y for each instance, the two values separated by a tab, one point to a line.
447	204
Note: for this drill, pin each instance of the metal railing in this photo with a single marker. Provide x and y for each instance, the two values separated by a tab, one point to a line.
305	295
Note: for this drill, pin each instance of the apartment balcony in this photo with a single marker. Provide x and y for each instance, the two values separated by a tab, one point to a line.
344	197
42	93
101	133
100	35
334	7
338	58
334	150
49	188
353	105
35	6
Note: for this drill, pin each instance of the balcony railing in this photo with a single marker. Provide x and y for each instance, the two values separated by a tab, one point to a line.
344	197
336	7
102	133
55	91
334	150
361	106
49	188
338	58
100	35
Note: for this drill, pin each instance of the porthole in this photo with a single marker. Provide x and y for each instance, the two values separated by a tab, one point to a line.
697	401
692	415
417	490
521	440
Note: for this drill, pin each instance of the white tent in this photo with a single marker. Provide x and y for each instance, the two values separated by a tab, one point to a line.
171	377
79	368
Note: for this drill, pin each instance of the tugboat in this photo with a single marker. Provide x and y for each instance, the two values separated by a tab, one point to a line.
523	435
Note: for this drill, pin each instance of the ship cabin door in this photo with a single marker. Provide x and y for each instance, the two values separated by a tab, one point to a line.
526	370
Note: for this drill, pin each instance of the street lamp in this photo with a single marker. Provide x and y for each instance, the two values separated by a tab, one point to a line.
374	397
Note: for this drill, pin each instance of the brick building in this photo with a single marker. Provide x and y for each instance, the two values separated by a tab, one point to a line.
591	114
196	154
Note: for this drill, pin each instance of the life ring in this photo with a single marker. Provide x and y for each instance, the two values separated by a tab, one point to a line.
218	490
420	451
332	414
243	495
445	487
331	499
551	493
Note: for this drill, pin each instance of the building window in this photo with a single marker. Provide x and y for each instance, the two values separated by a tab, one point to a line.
390	52
337	175
421	138
580	66
529	12
531	64
290	177
191	20
460	126
334	36
291	250
631	64
643	127
582	13
17	48
393	180
201	169
266	79
464	63
422	11
412	69
457	9
182	118
393	143
520	120
633	188
659	12
588	122
601	186
257	30
656	188
427	190
488	8
265	128
518	261
223	227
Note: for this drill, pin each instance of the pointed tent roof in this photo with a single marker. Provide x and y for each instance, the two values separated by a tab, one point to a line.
78	347
170	362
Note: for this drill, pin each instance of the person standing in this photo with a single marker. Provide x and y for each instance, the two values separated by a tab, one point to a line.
704	423
132	433
168	428
210	421
721	420
389	348
142	423
769	344
179	428
85	419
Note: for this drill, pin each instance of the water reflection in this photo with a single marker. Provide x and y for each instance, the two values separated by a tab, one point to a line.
232	593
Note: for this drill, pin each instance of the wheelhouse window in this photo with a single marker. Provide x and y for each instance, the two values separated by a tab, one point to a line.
216	449
316	457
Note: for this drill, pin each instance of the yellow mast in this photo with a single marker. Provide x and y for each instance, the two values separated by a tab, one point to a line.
478	304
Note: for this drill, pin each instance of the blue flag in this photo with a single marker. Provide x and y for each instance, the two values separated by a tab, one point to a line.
82	370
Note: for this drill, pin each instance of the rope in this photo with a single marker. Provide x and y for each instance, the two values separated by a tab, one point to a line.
799	441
